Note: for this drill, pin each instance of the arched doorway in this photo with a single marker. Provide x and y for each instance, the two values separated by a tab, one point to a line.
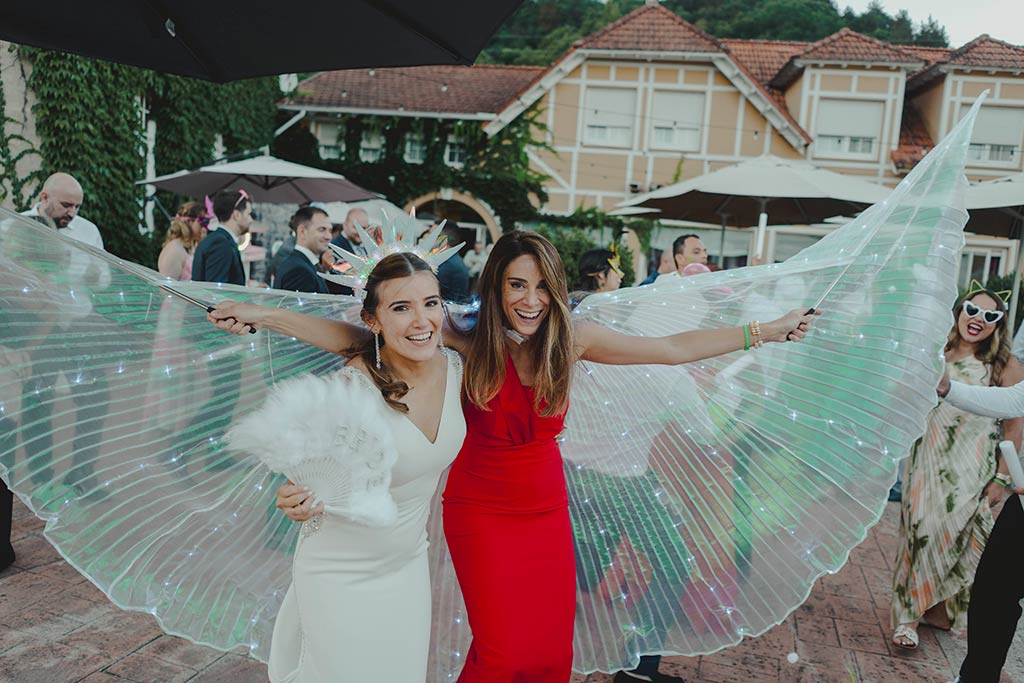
470	213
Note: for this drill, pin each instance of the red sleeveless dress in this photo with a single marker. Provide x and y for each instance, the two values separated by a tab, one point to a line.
506	518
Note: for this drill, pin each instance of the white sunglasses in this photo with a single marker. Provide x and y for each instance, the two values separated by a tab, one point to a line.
973	310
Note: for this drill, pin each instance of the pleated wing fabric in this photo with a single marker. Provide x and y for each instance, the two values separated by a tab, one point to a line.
706	499
116	399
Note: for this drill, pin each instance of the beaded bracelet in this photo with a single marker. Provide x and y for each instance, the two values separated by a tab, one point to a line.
755	331
1002	479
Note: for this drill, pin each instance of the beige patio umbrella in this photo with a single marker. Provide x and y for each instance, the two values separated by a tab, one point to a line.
765	190
266	179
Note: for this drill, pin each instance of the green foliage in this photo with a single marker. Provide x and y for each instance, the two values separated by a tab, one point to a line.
541	30
570	243
570	236
90	121
90	125
496	169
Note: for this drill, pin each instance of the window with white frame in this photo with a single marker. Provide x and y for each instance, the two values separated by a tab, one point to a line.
609	117
676	120
848	128
997	136
371	146
330	140
455	151
981	262
415	148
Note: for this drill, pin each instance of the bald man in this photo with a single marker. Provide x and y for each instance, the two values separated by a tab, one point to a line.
59	202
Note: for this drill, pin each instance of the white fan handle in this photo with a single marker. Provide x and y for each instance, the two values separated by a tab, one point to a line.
1012	463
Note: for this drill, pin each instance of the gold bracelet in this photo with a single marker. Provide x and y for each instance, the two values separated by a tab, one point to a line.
755	333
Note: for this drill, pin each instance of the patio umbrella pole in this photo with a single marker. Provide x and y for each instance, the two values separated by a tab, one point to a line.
721	241
762	230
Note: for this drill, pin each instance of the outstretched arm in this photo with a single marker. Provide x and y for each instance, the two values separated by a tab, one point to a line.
1004	402
601	345
330	335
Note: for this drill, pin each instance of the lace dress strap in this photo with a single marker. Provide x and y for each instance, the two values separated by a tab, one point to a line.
454	361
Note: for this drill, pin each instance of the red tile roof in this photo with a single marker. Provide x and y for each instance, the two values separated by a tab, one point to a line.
764	58
440	89
654	28
985	51
915	141
845	46
928	54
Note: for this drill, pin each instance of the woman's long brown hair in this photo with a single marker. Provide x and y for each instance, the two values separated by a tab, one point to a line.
994	351
553	342
389	268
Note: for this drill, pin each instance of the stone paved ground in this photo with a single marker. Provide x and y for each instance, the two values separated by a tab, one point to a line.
56	628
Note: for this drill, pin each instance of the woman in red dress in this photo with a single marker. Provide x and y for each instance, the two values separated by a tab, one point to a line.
506	515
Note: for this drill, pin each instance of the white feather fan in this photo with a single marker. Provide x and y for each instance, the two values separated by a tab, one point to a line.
330	434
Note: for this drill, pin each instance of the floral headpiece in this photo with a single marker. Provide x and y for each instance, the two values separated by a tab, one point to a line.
978	287
432	248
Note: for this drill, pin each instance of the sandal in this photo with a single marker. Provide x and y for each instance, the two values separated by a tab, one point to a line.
909	637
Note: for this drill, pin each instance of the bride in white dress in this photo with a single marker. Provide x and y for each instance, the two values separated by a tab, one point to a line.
359	606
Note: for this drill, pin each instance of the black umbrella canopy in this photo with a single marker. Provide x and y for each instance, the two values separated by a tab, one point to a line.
230	40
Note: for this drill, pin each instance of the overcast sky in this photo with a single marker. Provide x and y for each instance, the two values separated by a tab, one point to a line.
964	19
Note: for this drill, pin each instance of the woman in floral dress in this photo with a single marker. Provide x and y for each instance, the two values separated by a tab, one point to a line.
949	484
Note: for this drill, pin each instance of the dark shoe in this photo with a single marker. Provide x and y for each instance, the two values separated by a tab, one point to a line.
896	492
6	557
658	677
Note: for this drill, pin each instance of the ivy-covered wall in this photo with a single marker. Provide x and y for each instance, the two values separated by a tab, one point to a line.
89	122
496	169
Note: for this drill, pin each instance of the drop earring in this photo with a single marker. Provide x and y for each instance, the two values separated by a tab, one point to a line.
376	348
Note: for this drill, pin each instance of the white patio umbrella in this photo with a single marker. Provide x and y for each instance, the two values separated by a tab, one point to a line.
764	190
996	207
267	179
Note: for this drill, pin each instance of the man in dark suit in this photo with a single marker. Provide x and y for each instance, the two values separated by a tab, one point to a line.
453	275
349	240
216	259
298	271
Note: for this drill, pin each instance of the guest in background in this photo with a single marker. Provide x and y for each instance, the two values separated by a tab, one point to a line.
475	260
949	480
298	272
187	229
217	258
453	274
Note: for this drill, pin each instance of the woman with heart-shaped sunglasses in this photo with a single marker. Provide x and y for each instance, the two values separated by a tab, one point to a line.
950	485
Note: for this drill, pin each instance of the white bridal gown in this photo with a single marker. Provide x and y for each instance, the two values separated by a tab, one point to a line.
358	608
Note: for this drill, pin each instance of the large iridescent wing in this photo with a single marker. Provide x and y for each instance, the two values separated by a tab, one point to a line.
708	498
115	399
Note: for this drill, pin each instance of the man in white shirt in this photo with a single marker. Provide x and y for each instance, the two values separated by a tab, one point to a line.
998	589
687	249
59	202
